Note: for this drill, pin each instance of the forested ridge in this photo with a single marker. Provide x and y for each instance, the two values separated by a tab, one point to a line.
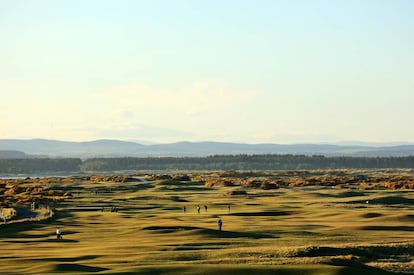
217	162
39	165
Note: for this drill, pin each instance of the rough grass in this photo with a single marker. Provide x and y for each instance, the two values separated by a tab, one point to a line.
291	230
7	213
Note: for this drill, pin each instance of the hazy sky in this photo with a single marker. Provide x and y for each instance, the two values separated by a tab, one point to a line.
251	71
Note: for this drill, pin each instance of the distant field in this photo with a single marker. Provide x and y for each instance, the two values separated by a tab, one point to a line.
323	222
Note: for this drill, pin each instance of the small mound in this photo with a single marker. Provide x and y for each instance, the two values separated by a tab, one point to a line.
351	194
170	182
143	186
178	199
209	232
356	267
324	195
407	218
371	215
169	229
198	246
70	260
318	251
233	234
236	193
392	200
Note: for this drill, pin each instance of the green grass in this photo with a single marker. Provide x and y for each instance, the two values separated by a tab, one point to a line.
291	230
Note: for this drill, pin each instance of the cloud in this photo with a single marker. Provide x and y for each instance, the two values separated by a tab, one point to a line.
197	98
138	131
196	111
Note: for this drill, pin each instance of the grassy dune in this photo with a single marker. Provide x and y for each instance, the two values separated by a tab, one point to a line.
290	230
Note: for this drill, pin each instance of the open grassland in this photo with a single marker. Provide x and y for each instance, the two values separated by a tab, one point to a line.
279	223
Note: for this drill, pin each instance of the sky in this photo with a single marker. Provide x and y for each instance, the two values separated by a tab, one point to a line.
249	71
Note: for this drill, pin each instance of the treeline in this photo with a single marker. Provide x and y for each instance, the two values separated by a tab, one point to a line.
218	162
245	162
39	165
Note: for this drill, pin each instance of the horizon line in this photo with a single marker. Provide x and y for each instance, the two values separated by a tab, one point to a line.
149	142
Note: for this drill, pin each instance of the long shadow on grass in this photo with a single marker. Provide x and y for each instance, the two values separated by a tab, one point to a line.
264	213
78	268
408	218
178	199
264	270
199	246
15	230
389	200
360	255
371	215
31	236
208	232
387	228
44	241
348	194
70	260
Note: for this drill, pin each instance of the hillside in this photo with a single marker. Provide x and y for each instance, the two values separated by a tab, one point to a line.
116	148
11	154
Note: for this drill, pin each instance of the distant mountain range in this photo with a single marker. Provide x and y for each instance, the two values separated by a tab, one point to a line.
15	148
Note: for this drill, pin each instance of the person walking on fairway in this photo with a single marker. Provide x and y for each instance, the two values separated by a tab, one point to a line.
58	234
198	209
220	224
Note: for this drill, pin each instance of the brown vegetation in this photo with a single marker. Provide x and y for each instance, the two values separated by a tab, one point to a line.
18	192
340	179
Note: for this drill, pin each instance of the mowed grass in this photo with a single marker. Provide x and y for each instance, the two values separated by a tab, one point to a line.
291	230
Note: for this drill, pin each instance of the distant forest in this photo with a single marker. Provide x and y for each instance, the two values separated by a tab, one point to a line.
218	162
